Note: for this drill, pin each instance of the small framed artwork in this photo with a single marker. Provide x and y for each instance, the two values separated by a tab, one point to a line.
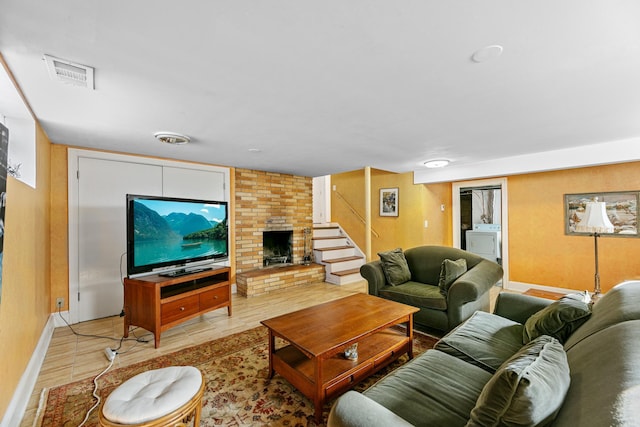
621	209
388	202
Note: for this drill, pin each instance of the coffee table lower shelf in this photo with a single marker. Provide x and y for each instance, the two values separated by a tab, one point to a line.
336	373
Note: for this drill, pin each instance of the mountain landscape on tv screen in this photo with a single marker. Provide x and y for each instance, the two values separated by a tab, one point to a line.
149	225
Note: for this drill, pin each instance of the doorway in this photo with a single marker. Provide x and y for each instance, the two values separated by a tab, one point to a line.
481	206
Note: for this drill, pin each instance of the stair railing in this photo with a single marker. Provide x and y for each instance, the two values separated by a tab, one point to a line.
355	212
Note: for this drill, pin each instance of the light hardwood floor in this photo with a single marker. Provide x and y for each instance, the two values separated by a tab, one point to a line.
71	357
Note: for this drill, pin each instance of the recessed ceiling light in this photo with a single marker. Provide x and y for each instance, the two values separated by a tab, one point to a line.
172	138
440	163
487	53
254	150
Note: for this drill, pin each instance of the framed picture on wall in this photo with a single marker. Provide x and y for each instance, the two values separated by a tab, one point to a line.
388	202
621	208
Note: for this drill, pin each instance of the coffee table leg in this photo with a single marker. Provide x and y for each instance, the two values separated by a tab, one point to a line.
272	350
318	399
410	335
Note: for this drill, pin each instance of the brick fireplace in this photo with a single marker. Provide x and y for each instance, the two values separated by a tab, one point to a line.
269	201
277	247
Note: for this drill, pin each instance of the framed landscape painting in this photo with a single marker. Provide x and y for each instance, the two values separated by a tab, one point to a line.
388	202
622	210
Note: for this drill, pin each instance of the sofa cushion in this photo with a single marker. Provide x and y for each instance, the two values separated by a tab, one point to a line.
425	262
395	267
434	389
485	340
450	271
528	389
415	294
559	319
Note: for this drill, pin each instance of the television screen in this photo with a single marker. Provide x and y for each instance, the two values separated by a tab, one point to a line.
169	233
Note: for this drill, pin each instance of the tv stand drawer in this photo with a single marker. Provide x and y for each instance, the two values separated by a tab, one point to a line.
214	298
178	309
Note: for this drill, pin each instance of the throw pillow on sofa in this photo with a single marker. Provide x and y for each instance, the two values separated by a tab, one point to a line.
450	270
395	267
559	319
527	390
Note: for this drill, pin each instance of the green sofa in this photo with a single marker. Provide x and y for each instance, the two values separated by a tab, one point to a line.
592	379
439	310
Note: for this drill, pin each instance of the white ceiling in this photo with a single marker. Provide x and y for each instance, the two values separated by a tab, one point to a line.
321	87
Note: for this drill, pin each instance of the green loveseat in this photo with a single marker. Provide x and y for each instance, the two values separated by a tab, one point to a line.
587	374
439	310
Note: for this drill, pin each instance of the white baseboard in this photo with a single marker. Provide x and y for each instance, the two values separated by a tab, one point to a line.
57	321
15	411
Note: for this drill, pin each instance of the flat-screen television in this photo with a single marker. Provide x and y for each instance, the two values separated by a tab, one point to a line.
173	236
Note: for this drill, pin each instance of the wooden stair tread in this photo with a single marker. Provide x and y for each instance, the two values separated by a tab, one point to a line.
333	248
325	227
348	258
346	272
328	238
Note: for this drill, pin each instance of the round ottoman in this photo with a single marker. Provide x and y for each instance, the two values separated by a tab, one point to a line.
160	397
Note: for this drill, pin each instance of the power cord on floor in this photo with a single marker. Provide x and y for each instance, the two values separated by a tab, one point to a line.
120	340
95	392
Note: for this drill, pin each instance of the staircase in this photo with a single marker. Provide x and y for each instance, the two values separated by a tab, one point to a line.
333	248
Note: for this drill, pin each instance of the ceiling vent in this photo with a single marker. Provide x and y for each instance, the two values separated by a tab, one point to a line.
68	72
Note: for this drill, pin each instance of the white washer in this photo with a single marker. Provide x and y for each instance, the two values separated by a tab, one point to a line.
487	244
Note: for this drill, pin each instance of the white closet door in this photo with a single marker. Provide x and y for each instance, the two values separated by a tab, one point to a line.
102	189
193	183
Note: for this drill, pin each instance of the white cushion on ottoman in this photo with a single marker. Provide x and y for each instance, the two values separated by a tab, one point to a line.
152	394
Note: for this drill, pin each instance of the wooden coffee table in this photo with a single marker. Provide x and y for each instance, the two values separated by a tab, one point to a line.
314	362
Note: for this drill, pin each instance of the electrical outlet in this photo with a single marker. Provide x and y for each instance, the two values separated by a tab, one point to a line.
59	302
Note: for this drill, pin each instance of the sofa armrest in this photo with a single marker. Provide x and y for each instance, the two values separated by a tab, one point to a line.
475	282
353	409
372	271
471	292
518	307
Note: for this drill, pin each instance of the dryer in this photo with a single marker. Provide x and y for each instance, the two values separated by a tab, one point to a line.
485	240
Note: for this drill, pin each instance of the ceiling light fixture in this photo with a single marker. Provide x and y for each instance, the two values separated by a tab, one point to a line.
172	138
440	163
487	53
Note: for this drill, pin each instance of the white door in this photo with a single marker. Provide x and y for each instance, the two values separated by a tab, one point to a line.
193	184
321	199
102	189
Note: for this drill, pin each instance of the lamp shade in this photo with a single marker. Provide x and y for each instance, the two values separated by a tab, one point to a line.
595	219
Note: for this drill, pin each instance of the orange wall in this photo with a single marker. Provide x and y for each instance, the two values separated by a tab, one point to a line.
59	227
25	305
541	253
417	203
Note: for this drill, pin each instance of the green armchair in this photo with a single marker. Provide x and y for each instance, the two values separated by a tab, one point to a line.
440	309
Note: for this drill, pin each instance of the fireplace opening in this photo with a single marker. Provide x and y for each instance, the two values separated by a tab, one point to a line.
277	247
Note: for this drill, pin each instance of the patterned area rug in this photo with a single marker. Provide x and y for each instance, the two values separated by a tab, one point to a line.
237	393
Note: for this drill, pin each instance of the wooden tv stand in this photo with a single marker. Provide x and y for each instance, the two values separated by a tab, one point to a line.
157	303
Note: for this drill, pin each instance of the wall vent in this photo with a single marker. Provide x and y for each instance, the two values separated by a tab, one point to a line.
68	72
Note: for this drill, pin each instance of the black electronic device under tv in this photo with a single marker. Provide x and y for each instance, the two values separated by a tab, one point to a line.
168	234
